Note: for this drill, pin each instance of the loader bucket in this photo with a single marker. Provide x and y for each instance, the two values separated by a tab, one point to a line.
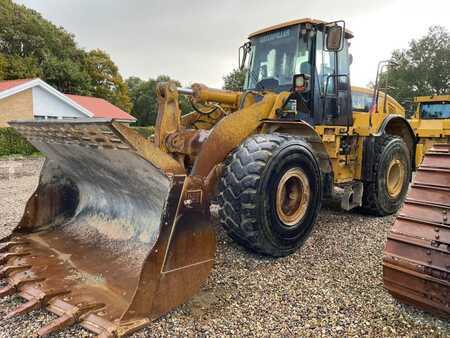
107	240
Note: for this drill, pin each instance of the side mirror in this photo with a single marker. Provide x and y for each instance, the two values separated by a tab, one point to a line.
301	83
334	38
243	52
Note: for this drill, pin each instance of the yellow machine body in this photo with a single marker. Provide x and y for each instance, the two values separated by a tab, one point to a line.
429	130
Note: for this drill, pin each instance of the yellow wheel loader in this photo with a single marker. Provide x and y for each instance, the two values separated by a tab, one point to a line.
118	231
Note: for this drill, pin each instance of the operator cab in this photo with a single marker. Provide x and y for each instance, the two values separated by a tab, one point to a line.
301	49
433	107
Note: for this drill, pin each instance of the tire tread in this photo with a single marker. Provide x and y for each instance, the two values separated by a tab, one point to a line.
371	203
238	193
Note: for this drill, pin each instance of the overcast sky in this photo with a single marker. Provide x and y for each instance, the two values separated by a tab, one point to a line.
197	41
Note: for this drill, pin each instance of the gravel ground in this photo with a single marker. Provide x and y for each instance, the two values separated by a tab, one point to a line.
331	287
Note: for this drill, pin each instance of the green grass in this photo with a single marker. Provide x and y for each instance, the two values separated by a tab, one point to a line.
12	143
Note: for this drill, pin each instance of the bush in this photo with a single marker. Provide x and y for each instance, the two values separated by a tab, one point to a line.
12	143
145	131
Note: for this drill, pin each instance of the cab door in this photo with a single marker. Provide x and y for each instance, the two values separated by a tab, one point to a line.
332	83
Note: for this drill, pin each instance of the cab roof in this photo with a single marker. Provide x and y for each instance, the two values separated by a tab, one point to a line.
433	98
293	23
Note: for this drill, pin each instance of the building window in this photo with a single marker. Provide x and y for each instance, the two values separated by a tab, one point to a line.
52	117
39	117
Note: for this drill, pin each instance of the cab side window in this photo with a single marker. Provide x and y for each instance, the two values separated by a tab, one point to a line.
325	64
435	110
361	102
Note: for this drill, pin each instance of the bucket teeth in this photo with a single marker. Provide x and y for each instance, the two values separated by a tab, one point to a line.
8	245
41	299
6	270
15	284
57	325
69	318
24	308
7	291
5	256
18	283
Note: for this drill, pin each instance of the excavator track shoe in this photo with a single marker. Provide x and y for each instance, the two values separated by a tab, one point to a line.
416	262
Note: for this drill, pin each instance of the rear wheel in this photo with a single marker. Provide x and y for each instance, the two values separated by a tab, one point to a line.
385	193
270	193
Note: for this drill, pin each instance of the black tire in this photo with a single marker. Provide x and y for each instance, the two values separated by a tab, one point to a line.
376	199
248	190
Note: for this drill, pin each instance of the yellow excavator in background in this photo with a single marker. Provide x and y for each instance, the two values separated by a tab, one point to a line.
431	122
119	231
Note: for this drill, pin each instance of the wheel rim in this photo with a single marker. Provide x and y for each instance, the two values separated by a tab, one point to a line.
395	177
293	195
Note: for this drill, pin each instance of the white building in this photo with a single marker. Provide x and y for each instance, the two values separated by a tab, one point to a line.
34	99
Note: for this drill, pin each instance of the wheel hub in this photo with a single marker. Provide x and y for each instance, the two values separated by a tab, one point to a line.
293	195
395	178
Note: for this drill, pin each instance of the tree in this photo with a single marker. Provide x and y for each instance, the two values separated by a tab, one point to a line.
234	80
133	83
423	68
66	75
3	65
34	47
31	46
143	97
106	80
16	67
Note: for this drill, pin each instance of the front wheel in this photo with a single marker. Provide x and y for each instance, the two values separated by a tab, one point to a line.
270	193
385	192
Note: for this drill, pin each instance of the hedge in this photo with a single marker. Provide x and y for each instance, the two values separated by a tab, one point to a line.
11	143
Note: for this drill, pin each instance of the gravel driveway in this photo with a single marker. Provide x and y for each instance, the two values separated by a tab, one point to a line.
331	287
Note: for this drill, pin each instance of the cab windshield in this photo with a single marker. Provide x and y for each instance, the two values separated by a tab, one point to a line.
275	58
435	110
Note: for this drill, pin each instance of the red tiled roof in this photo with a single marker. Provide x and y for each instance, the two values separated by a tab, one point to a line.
8	84
100	107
